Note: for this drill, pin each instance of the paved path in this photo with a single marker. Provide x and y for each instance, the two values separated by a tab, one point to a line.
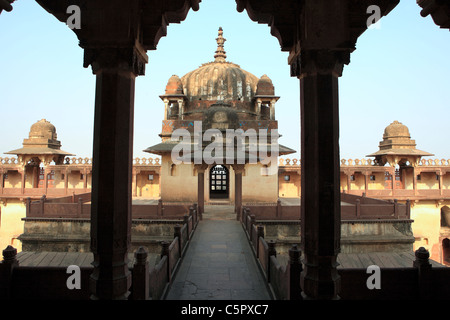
219	263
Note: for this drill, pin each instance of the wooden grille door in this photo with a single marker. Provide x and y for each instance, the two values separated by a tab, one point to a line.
398	180
50	179
218	182
41	178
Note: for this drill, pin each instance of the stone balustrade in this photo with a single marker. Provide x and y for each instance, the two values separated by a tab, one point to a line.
84	161
281	161
366	162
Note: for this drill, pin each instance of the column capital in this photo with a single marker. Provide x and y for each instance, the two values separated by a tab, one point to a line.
201	168
130	58
238	168
319	61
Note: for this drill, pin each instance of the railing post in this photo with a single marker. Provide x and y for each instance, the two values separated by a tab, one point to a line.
260	233
160	208
424	273
271	252
247	214
395	208
278	208
165	252
28	207
260	229
177	233
295	269
408	209
42	205
195	216
191	213
80	207
252	222
186	222
358	208
199	212
141	275
6	271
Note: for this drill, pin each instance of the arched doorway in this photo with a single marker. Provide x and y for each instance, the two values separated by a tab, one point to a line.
445	216
219	181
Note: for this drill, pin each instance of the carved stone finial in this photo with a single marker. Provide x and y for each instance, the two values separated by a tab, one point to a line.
10	253
422	256
294	254
141	255
220	55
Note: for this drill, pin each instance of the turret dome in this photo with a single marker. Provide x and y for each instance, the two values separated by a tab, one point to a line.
43	129
396	130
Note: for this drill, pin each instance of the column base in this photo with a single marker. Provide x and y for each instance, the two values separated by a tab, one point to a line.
320	279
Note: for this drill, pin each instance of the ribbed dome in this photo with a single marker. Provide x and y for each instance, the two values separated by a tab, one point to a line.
43	129
219	80
396	130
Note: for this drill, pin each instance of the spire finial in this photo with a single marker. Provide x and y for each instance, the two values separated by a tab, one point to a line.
220	55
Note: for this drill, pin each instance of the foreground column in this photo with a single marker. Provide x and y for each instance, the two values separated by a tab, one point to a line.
111	175
320	171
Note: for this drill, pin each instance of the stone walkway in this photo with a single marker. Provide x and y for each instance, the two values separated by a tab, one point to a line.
219	263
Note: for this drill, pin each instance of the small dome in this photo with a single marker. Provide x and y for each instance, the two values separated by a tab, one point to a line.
265	87
396	130
43	129
174	85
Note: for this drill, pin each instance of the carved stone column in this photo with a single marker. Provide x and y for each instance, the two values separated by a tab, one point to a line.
115	70
201	168
414	172
180	109
22	173
46	172
166	109
2	177
238	170
320	171
66	180
134	183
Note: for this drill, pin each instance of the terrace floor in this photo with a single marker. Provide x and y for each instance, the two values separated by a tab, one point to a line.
219	263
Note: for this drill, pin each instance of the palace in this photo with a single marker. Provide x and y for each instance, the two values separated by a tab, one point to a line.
395	200
221	96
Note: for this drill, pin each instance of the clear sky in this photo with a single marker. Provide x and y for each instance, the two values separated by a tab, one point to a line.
399	71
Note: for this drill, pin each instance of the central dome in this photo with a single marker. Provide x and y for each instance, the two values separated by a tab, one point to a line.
219	80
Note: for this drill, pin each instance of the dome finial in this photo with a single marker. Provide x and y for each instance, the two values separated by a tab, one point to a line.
220	55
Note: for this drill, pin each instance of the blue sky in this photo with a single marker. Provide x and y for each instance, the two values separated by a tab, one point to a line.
397	72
